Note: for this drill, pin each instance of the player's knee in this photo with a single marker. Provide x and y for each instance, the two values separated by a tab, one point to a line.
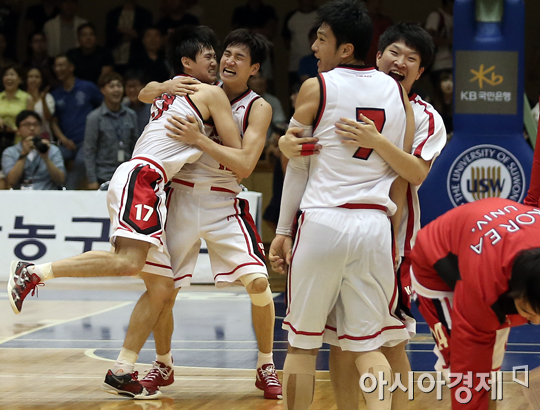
259	292
257	285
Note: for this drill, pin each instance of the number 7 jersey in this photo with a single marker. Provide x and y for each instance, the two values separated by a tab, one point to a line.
344	174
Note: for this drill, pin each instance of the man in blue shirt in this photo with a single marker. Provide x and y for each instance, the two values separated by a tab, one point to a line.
74	99
32	166
111	132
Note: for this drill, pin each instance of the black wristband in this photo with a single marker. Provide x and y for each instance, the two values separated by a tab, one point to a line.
22	156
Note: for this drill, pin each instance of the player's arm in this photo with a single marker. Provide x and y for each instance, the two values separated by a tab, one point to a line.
473	340
533	195
241	161
296	177
181	86
410	167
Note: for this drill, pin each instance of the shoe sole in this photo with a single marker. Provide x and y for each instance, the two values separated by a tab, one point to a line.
11	285
109	389
269	396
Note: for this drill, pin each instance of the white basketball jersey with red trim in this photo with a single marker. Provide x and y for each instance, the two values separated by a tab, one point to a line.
342	174
429	140
154	142
207	169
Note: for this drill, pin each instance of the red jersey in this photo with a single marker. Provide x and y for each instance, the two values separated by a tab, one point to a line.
533	196
470	250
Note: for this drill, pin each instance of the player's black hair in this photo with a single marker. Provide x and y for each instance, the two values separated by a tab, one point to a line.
525	280
257	44
24	114
350	23
413	36
187	41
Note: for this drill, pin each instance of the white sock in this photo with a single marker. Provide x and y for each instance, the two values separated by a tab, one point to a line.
166	359
44	271
264	358
125	363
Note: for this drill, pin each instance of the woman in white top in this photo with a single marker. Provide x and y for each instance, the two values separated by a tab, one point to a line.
42	102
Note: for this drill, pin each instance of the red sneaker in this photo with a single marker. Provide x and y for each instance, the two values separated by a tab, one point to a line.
267	381
160	375
20	284
128	385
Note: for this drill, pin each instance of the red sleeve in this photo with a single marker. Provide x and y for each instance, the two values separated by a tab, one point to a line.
471	349
534	189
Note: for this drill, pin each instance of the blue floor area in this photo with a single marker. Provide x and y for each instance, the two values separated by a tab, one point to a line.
213	329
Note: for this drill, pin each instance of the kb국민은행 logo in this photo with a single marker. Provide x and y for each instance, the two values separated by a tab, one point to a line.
485	171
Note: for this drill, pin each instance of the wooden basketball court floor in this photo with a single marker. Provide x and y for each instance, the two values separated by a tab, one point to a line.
54	355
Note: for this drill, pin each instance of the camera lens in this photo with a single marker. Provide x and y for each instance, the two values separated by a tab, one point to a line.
40	146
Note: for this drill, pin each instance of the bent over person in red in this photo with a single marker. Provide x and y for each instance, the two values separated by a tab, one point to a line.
476	273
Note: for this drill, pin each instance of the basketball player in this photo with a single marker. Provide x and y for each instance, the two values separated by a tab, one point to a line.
203	204
136	201
342	254
405	49
533	195
476	271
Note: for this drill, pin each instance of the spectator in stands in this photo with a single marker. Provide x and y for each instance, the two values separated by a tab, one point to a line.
111	132
440	25
134	83
380	24
256	16
33	163
295	33
307	67
41	101
74	99
38	14
443	100
13	100
4	61
90	60
10	11
195	9
174	16
124	29
279	124
151	60
61	31
39	57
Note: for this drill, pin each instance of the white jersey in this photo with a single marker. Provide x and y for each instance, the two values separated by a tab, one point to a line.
154	142
209	171
343	174
429	140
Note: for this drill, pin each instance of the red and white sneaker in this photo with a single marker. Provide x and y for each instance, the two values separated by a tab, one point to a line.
20	284
160	375
128	386
267	381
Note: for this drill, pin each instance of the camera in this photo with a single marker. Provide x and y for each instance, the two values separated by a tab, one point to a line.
40	145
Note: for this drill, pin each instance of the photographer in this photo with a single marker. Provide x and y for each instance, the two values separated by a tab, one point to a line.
33	163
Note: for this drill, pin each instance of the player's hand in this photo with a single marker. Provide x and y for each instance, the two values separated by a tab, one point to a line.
181	86
293	145
359	134
185	130
280	253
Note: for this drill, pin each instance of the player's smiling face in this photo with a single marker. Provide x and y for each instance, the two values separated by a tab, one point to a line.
524	309
235	64
400	62
325	49
205	67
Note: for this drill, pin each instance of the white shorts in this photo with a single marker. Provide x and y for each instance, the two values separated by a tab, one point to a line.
342	258
224	222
